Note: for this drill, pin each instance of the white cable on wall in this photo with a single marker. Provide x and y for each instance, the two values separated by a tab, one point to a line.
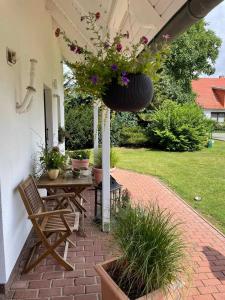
27	101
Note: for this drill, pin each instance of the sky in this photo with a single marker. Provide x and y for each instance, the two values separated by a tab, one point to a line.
216	22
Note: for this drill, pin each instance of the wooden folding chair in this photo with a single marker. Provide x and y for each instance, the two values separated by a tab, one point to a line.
61	222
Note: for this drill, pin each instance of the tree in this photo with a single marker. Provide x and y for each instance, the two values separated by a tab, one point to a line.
193	53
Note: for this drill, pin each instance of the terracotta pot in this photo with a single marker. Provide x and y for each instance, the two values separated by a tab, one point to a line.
110	290
133	97
98	174
80	163
53	173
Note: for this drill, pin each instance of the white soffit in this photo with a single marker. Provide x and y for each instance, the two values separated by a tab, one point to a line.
139	17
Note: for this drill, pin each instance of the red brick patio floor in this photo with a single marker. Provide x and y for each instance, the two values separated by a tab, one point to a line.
206	248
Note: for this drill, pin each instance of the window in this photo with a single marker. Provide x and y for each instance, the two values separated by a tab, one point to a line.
218	116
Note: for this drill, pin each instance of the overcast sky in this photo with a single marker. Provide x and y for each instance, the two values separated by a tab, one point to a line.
216	22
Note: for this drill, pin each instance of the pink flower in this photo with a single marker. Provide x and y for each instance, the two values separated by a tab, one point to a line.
166	36
97	15
119	47
57	32
144	40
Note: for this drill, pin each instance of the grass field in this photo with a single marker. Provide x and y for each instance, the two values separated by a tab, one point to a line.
189	174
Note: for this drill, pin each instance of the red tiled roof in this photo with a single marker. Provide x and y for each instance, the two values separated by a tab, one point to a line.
210	92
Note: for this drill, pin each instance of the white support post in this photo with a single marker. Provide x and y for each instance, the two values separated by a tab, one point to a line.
95	130
106	169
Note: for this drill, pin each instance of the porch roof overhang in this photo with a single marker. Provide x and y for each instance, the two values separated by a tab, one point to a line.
151	18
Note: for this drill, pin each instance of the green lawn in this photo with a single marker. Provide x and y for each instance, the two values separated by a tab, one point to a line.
189	174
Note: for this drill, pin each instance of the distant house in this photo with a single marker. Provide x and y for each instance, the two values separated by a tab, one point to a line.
211	97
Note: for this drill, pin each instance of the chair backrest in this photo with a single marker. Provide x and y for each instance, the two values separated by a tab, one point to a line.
30	196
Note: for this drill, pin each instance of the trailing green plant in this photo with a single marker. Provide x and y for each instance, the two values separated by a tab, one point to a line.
80	154
178	127
152	250
112	58
113	158
52	159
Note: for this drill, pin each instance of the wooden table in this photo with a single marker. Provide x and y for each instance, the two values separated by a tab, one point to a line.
67	183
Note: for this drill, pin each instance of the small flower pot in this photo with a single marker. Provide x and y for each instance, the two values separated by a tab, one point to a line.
110	290
98	174
133	97
80	163
53	174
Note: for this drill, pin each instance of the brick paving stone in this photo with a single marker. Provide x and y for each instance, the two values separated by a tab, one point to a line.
205	247
74	290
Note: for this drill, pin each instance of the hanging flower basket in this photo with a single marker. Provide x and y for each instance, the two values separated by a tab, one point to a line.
135	96
118	71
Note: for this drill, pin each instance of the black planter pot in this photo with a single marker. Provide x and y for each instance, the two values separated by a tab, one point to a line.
133	97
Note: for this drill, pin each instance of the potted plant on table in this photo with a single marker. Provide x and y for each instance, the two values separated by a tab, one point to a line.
152	260
116	71
97	169
52	161
80	159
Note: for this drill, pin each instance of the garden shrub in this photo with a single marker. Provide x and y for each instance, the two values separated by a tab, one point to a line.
178	127
133	137
79	125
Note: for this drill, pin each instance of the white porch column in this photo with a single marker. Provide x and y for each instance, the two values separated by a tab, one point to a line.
96	105
106	169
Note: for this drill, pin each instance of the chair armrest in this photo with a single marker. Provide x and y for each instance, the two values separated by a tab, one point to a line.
49	213
52	197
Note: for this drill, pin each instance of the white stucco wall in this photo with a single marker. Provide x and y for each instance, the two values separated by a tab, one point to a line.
25	27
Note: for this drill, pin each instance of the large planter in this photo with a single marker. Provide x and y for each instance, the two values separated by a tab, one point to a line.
80	163
133	97
53	174
110	290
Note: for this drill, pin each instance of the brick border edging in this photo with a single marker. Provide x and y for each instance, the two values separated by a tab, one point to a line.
179	198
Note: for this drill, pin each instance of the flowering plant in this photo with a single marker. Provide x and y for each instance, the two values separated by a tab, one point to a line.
111	60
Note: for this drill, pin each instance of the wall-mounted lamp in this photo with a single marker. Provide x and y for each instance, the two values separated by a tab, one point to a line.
27	102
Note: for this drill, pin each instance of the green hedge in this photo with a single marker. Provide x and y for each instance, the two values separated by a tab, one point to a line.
178	127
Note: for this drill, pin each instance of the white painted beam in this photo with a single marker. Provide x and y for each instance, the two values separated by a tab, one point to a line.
95	133
106	169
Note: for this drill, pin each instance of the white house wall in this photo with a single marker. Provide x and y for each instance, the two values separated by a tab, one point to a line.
25	27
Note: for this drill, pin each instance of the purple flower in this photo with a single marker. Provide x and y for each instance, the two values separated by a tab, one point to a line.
125	80
123	73
72	47
94	79
114	67
144	40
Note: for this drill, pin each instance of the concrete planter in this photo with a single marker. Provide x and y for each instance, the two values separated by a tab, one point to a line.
110	290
